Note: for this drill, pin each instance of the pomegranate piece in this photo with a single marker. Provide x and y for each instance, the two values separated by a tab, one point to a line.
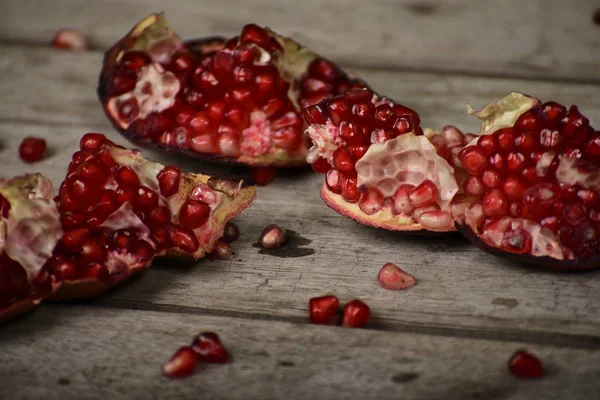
372	151
32	149
263	175
533	188
236	100
391	277
525	365
356	314
272	237
183	363
70	39
209	348
323	309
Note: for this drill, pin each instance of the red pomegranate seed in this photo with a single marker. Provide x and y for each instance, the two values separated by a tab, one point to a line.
221	251
272	237
132	61
70	39
93	141
323	309
209	348
315	114
32	149
491	178
525	365
263	175
127	178
423	195
184	238
371	202
473	186
145	197
334	181
343	162
350	192
494	203
92	252
168	180
193	214
321	165
391	277
182	364
473	160
356	314
231	233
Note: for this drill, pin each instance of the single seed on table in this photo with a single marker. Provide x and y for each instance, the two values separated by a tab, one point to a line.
323	309
181	364
392	277
356	314
209	348
272	237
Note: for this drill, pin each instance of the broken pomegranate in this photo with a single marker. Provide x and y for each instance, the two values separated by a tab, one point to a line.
356	314
532	190
209	348
183	363
272	237
323	309
380	169
29	230
32	149
70	39
235	100
525	365
391	277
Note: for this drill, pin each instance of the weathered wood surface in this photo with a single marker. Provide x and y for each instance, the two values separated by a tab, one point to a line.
95	353
537	38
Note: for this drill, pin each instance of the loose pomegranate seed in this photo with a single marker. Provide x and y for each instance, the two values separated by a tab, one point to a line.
391	277
209	348
70	39
272	237
182	364
263	175
356	314
231	233
323	309
32	149
525	365
221	251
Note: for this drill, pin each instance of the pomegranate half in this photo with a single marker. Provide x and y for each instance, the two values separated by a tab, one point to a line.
235	100
532	190
380	168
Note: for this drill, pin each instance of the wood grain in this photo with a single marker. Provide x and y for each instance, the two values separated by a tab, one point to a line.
63	352
537	38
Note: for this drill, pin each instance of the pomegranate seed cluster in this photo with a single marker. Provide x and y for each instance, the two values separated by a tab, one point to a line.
535	170
230	102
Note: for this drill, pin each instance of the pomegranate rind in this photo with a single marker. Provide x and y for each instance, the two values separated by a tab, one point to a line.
154	32
17	309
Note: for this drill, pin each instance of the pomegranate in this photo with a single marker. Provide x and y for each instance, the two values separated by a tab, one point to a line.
525	365
272	237
183	363
114	213
323	309
356	314
391	277
29	230
70	39
380	169
209	348
532	190
32	149
235	100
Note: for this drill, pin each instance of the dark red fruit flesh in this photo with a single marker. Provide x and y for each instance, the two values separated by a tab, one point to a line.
32	149
323	309
182	364
223	100
263	175
209	348
356	314
525	365
538	174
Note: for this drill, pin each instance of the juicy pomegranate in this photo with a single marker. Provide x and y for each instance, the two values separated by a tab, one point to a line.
525	365
209	348
29	230
356	314
183	363
391	277
533	185
70	39
32	149
114	213
380	169
323	309
237	100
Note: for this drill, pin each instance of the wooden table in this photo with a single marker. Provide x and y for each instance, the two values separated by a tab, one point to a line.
450	336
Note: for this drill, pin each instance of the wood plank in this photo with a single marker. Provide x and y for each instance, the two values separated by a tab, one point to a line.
48	86
538	38
460	290
94	353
